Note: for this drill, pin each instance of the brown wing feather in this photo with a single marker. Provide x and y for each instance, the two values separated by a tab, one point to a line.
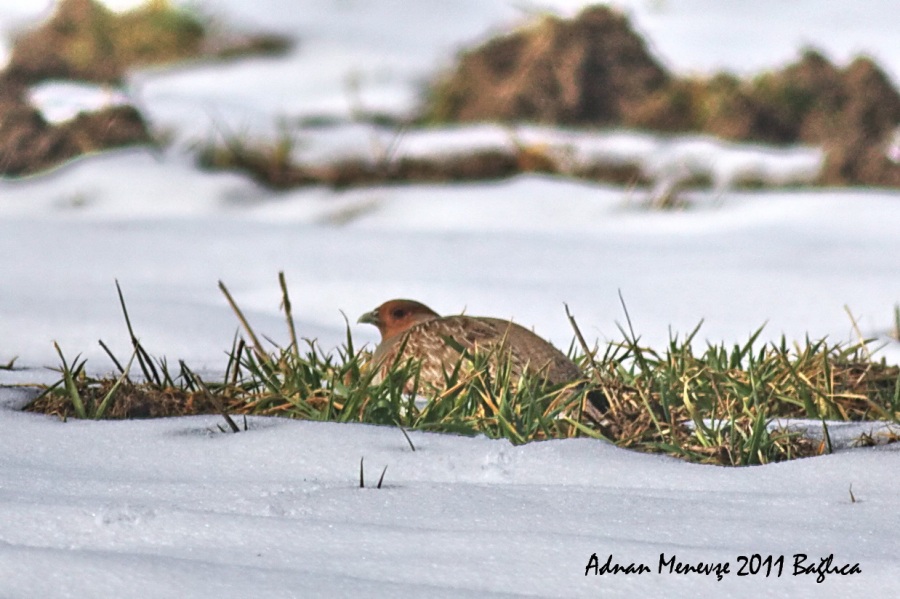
426	343
535	353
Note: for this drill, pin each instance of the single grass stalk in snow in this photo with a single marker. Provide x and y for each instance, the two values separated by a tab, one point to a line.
362	477
406	436
896	331
718	404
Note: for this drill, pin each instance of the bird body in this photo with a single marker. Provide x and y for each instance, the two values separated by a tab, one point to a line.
436	341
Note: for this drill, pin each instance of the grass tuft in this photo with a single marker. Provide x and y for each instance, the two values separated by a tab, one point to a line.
716	404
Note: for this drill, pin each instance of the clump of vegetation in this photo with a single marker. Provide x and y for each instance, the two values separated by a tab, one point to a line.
159	393
721	406
84	40
732	398
273	164
268	163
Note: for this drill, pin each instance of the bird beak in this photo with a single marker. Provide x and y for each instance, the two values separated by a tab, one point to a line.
370	318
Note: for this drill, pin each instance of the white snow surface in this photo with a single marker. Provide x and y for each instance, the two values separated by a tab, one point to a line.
175	508
521	248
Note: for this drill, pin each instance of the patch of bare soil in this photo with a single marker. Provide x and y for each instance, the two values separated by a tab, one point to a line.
595	70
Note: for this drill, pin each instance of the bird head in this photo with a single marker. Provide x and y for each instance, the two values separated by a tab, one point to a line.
396	316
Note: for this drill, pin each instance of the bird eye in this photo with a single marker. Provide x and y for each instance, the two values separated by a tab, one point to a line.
398	313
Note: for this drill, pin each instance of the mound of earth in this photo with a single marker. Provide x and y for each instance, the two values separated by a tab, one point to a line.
83	40
595	70
586	70
851	112
857	134
29	144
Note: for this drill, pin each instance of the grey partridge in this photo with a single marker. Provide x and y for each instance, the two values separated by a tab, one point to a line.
435	342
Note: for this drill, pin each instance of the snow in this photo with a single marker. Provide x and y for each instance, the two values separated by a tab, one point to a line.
706	36
60	101
788	259
175	508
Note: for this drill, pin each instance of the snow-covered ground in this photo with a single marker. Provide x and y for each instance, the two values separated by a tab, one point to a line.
519	248
171	508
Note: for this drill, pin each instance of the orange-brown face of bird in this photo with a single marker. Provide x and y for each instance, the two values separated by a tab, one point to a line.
396	316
